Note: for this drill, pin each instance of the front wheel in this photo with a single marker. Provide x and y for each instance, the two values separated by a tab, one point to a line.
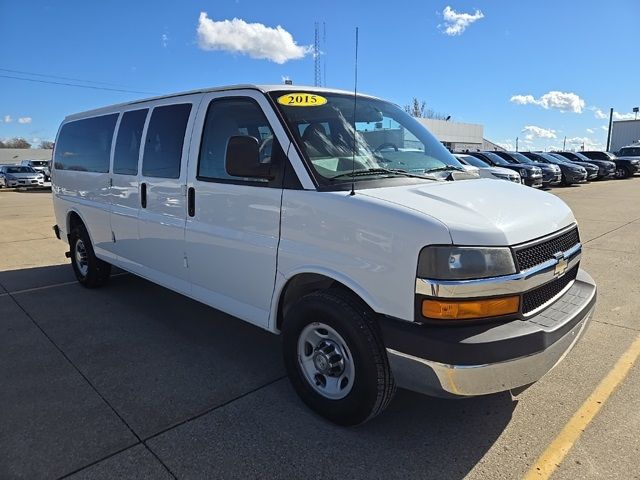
90	271
335	357
622	172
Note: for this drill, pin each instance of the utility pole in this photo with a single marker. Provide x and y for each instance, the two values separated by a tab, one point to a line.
609	131
324	56
564	143
516	144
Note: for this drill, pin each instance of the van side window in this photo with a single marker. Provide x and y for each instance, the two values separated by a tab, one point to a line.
127	152
85	145
164	141
226	118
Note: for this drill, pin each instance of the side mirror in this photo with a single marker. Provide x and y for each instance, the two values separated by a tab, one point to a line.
243	158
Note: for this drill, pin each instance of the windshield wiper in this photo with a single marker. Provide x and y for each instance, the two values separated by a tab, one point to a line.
375	171
446	168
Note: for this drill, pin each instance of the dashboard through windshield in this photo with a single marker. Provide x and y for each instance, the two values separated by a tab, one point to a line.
387	142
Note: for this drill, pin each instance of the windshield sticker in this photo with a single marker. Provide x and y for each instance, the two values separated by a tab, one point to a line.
300	99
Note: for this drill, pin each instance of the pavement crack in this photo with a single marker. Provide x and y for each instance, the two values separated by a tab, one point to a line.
619	326
611	231
90	383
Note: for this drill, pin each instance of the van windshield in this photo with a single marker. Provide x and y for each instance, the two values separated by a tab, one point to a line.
388	142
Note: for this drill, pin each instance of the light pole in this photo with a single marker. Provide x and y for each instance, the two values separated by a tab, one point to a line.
635	110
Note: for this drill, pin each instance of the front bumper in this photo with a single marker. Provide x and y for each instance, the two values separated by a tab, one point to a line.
575	177
535	182
483	359
553	178
26	183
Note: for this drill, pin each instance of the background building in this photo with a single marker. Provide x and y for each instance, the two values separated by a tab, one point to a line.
623	133
459	137
16	155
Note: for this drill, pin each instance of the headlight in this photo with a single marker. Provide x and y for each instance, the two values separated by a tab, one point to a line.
464	263
635	162
523	173
10	177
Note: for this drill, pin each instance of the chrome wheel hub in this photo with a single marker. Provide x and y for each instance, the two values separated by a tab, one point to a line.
325	361
81	258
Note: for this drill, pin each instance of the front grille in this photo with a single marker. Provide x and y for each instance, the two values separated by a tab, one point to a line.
533	255
541	295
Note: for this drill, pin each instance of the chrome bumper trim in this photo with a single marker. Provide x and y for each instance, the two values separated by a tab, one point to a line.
505	285
442	380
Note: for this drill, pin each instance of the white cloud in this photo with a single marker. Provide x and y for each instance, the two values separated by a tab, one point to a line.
24	120
590	130
563	101
456	23
586	141
253	39
599	114
507	145
164	39
7	119
538	132
605	128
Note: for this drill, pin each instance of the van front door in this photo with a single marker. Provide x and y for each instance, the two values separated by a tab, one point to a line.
233	224
163	200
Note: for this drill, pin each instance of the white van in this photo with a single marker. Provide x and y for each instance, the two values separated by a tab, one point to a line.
379	271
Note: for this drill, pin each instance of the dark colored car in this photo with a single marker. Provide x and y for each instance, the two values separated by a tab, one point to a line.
625	166
531	176
592	170
571	172
551	174
607	167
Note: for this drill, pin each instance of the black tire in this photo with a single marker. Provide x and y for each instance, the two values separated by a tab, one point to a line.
622	172
93	272
373	384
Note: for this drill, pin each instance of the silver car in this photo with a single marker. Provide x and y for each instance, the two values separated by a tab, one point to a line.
42	166
487	171
20	176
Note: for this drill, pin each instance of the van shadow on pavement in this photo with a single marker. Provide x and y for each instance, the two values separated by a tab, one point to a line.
205	391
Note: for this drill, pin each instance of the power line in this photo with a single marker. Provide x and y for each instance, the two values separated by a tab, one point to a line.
92	87
61	78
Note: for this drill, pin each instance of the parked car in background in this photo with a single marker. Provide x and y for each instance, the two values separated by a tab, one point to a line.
551	174
42	166
592	170
607	167
625	166
632	151
12	176
485	170
531	176
571	172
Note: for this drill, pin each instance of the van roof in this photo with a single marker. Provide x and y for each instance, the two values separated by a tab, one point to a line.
261	88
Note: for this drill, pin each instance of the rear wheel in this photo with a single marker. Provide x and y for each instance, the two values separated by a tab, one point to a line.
90	271
335	357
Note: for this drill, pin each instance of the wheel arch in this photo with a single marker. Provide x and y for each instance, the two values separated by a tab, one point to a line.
74	219
308	281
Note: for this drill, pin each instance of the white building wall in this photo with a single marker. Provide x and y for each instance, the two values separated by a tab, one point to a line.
624	132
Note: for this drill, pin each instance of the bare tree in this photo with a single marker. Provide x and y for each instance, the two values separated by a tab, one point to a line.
47	145
17	143
419	109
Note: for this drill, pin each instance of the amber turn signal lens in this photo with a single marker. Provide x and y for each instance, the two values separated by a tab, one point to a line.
468	309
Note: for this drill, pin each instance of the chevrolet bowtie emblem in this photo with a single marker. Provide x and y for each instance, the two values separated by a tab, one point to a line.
561	266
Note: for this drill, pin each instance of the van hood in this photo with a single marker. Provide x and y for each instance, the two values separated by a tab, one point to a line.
484	211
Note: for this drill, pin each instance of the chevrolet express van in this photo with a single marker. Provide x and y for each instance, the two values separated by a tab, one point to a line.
339	222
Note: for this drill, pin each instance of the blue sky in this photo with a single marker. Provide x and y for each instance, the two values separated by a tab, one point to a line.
499	65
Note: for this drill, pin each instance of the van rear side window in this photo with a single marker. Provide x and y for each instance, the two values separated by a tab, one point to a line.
85	145
165	137
125	158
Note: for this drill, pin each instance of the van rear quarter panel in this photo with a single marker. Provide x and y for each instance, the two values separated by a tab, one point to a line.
369	245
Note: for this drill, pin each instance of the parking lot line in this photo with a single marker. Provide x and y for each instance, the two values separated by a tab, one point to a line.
550	460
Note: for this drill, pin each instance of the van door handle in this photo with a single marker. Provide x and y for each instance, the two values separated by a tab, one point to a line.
143	195
191	201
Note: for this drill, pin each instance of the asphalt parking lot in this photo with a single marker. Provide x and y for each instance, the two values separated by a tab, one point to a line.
134	381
